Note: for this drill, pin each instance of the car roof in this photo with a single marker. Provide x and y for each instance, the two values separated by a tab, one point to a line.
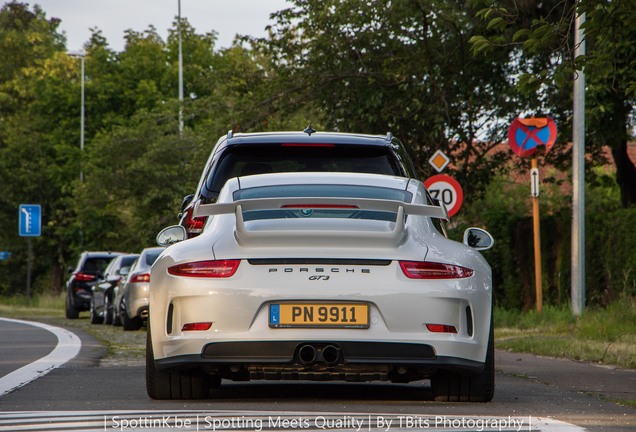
93	254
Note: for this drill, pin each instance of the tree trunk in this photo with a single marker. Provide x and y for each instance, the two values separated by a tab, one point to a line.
625	174
616	126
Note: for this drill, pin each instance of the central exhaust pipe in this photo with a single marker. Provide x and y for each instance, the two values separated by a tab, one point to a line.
307	354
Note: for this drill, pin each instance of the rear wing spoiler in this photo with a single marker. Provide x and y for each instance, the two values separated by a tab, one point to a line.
438	212
320	237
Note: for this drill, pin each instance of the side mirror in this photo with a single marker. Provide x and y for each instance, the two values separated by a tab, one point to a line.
478	239
171	235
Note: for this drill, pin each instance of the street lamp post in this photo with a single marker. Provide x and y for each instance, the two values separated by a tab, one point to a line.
81	55
578	176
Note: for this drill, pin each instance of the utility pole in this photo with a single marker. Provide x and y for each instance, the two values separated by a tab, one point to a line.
81	55
180	75
578	176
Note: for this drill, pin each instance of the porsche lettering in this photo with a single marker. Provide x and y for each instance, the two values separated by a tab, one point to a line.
319	270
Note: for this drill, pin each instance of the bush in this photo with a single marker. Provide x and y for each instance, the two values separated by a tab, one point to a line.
505	211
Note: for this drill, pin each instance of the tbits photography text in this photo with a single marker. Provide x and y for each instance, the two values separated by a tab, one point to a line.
200	421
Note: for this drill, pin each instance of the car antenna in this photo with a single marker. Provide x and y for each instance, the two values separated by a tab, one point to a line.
309	130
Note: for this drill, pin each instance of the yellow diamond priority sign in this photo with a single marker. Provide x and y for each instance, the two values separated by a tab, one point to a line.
439	161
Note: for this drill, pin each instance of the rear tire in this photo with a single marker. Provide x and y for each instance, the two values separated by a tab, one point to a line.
190	384
130	324
71	312
455	387
116	315
95	318
108	311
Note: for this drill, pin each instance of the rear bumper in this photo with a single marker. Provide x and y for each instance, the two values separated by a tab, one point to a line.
81	299
285	358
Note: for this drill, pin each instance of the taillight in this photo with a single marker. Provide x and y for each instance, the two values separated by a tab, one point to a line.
432	270
206	269
194	225
142	277
84	277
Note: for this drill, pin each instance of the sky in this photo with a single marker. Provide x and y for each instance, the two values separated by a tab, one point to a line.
113	17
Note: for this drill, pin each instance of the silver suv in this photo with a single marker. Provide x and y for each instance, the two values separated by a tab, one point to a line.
242	154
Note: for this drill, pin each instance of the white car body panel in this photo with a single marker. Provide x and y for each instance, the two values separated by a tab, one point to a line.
400	307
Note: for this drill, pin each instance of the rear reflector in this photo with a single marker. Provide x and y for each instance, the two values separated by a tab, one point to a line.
143	277
199	326
320	206
432	270
441	328
206	269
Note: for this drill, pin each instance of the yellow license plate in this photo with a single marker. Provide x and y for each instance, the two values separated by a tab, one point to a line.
339	315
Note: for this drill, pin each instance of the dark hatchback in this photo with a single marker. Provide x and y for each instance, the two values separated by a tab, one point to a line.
90	267
243	154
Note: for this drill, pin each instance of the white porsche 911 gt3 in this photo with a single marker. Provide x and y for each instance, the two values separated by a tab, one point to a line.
321	276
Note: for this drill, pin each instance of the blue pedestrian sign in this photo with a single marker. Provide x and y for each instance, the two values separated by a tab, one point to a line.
30	220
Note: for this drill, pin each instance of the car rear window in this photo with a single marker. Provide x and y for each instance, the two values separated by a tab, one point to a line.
152	256
322	190
128	261
288	157
96	265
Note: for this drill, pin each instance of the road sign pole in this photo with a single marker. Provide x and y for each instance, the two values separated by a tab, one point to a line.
29	267
30	225
534	181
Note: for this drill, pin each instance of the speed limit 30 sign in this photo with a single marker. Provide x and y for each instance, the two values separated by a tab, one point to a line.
446	189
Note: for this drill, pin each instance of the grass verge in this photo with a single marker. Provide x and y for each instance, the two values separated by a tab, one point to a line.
599	335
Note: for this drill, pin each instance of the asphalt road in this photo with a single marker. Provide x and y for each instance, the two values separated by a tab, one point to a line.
22	344
541	391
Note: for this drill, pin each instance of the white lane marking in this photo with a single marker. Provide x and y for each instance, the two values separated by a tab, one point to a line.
259	421
68	346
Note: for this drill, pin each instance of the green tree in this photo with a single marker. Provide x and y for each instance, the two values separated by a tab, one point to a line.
404	67
26	37
34	155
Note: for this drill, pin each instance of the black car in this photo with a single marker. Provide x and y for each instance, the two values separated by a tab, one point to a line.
90	267
101	308
245	154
